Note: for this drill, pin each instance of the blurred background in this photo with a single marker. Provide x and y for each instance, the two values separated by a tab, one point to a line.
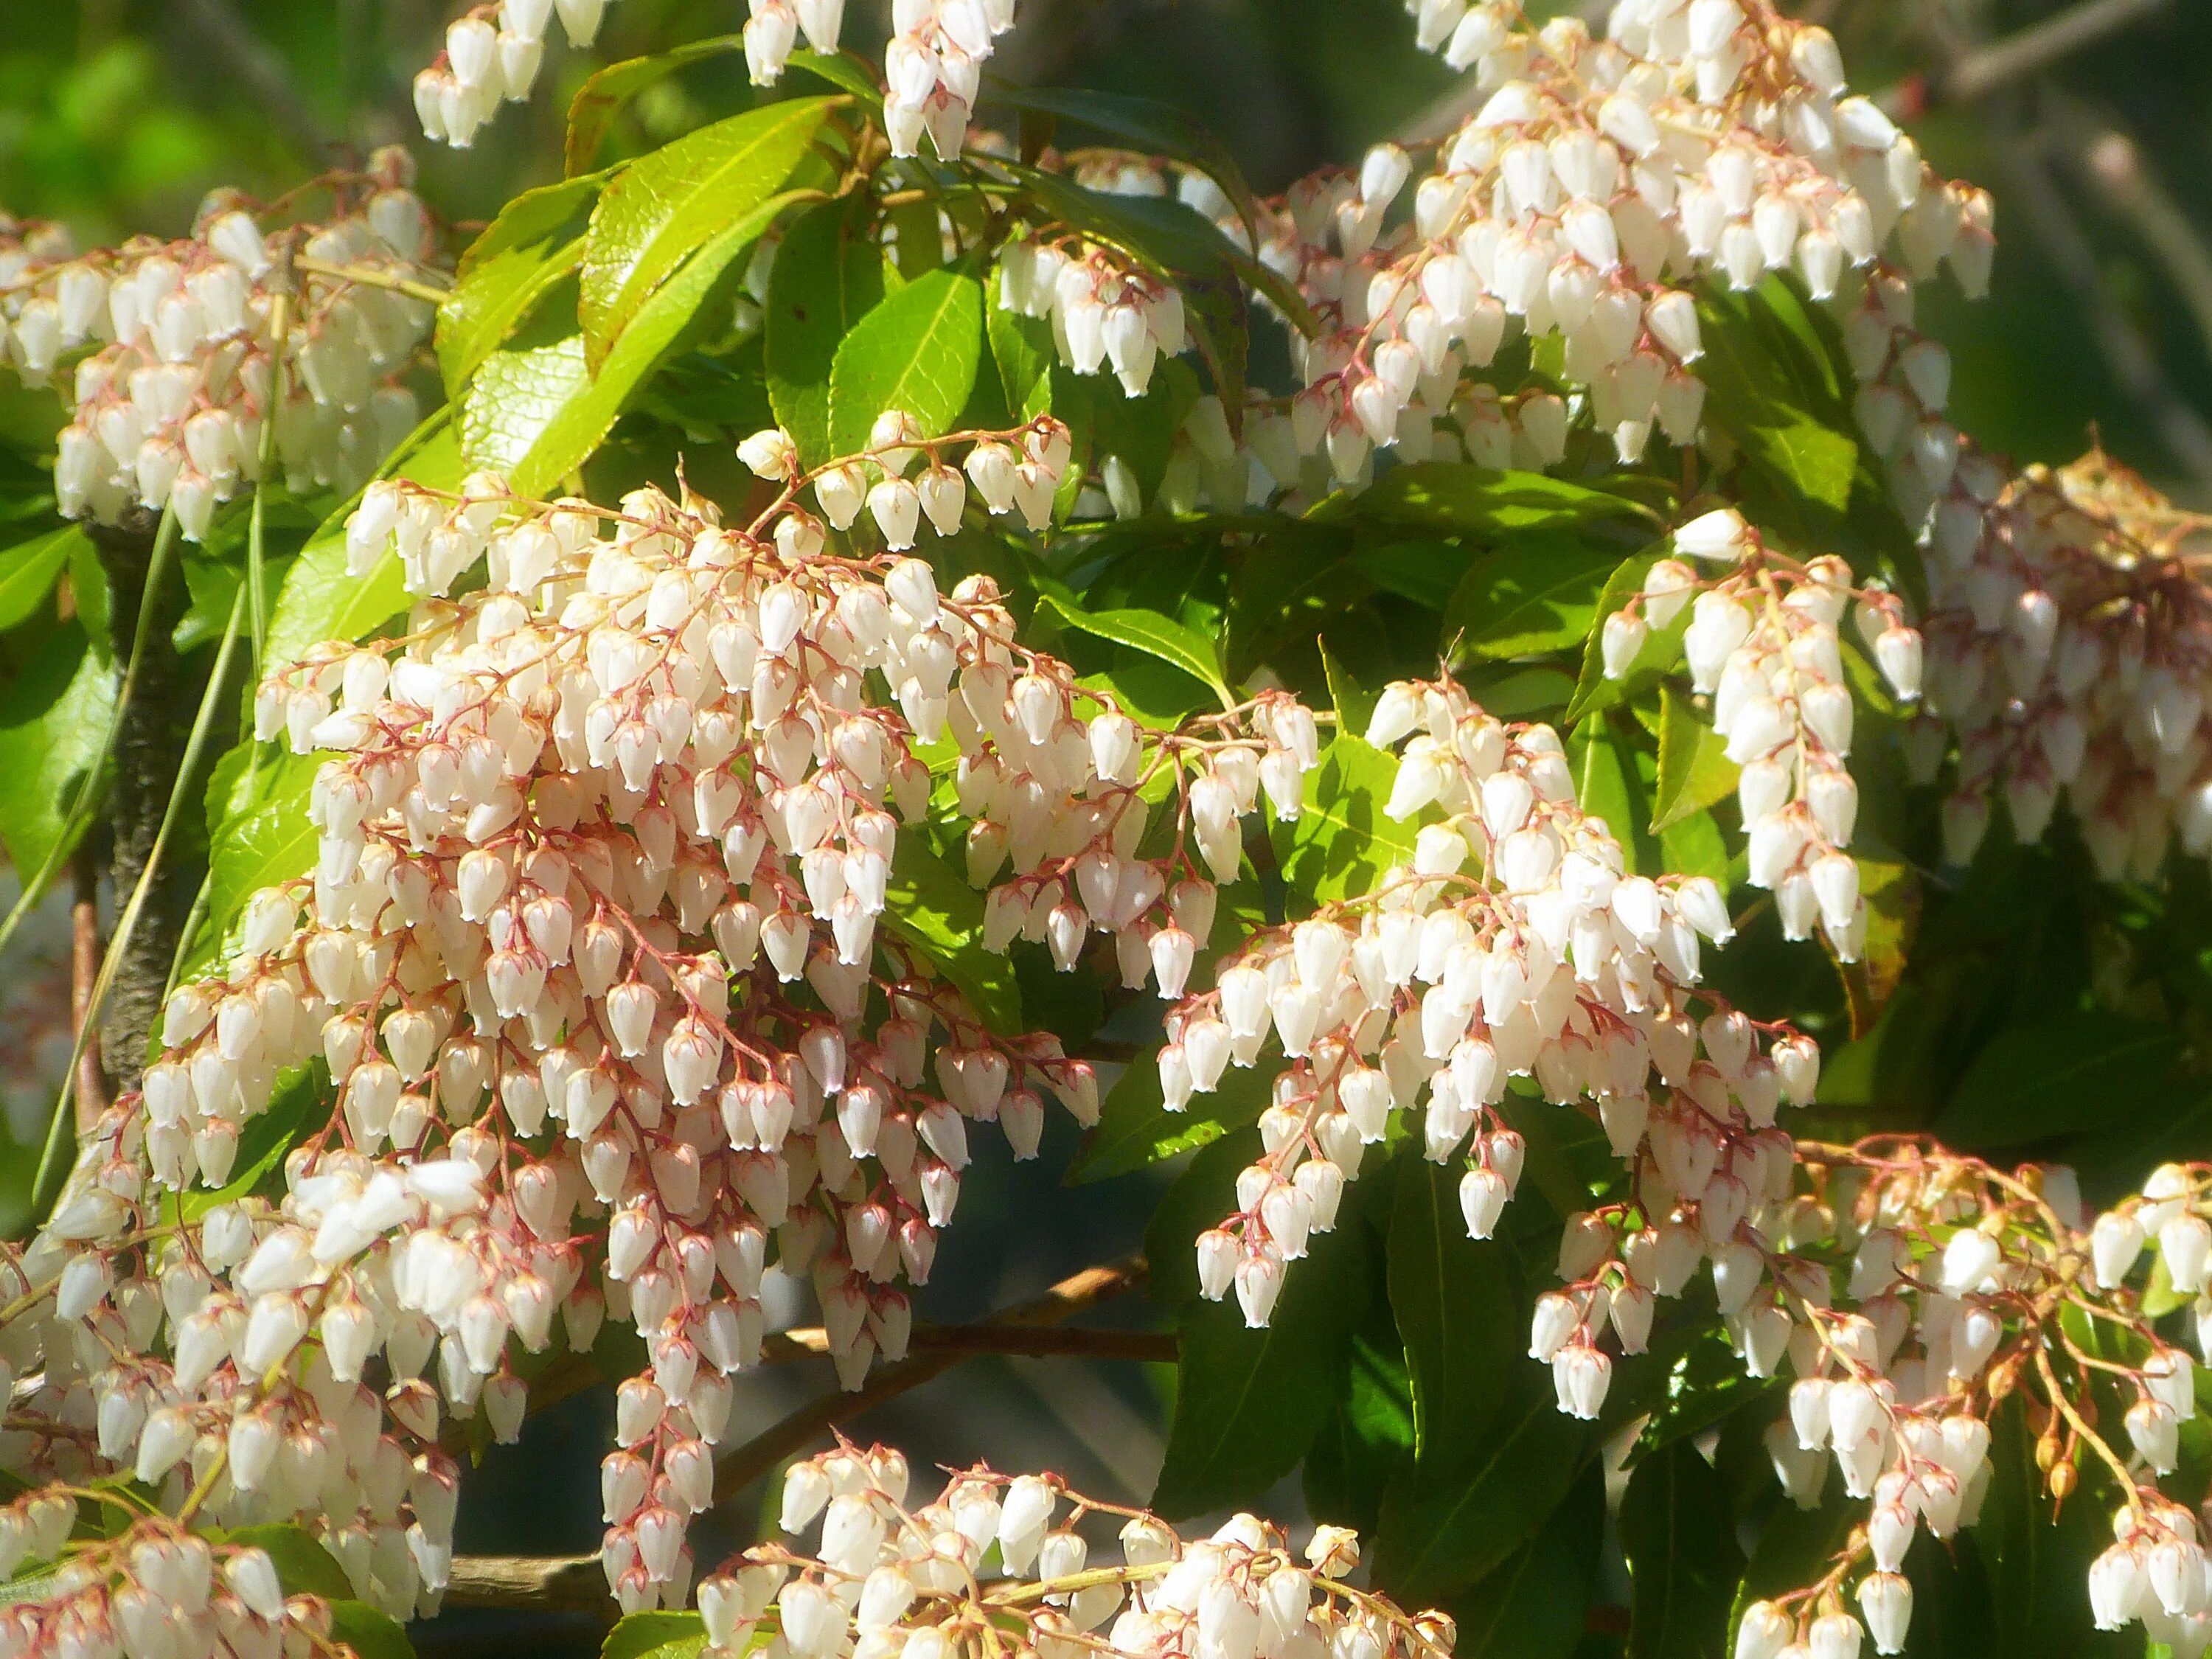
2090	119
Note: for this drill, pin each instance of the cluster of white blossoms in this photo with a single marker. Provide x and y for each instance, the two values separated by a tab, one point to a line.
1764	642
157	1588
492	56
590	953
886	1579
2069	653
194	342
1105	313
1600	179
1514	944
932	66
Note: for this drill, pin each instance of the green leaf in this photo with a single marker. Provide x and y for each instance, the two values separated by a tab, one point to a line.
54	717
1426	572
1454	1309
1445	1527
1342	844
266	839
1535	1604
2058	1076
1764	393
516	394
846	70
828	275
1136	1129
1366	1437
917	350
664	206
606	92
1680	1538
1694	769
303	1566
562	435
1139	124
2034	1559
927	905
29	570
522	256
1891	888
1198	1198
1528	600
369	1633
660	1635
320	600
1451	495
1152	633
1353	702
1249	1402
1023	352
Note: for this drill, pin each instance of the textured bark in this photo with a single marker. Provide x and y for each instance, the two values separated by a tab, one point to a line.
147	750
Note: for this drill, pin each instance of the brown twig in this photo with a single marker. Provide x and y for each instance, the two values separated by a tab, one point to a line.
84	970
2029	50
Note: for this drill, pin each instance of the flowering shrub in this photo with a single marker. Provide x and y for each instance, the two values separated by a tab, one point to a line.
1523	779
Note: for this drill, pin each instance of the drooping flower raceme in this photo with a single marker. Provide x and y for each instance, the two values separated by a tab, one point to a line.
492	56
195	344
888	1576
932	67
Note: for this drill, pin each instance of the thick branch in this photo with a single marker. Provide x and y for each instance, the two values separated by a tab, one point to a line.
147	747
575	1583
84	970
2028	50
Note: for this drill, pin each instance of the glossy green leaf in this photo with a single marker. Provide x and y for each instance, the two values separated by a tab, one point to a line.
680	199
29	570
558	413
655	1636
1771	400
54	716
1527	599
516	394
1890	887
320	600
1136	1129
1139	124
607	92
522	256
1342	843
2059	1076
929	907
846	70
1680	1538
1366	1437
1353	702
1443	1528
828	275
1153	635
1694	769
1426	572
1454	1310
1023	352
265	840
918	352
1248	1402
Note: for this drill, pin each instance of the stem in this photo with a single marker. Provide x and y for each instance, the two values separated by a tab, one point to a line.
84	971
147	968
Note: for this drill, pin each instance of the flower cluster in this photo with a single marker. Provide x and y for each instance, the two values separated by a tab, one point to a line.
1516	943
1763	642
932	67
155	1588
2070	650
1104	312
493	53
196	342
1598	180
590	953
885	1578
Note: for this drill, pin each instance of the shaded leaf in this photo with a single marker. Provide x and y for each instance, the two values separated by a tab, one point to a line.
29	570
1527	599
1454	1310
917	350
1533	1605
54	716
303	1566
931	909
1679	1537
1135	1127
1452	495
1140	124
1891	890
1593	691
1366	1437
1248	1402
2059	1076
